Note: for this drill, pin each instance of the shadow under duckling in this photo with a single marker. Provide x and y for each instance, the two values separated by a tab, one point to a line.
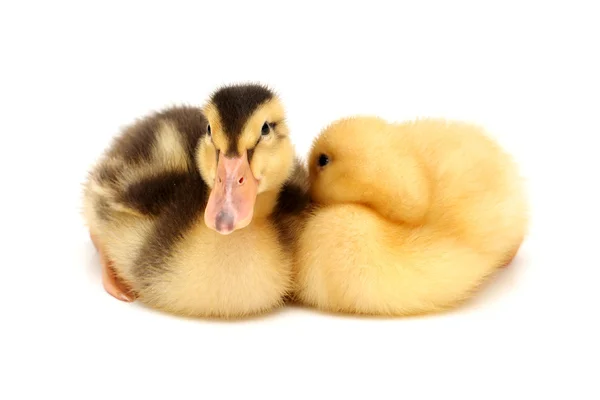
409	218
193	209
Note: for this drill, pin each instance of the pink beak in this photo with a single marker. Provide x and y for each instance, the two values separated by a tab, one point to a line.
231	201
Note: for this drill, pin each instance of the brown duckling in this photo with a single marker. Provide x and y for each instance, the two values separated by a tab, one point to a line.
193	210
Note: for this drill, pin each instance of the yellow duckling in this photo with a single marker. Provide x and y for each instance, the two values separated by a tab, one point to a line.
410	218
193	210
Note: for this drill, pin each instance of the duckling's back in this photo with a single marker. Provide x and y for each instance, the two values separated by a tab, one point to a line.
145	190
412	217
477	193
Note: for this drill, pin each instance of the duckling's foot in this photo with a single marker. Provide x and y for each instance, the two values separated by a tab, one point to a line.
112	284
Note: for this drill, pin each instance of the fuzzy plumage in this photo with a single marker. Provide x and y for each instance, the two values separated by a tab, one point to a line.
145	198
410	218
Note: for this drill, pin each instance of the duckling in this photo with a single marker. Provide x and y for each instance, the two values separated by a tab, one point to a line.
410	218
193	209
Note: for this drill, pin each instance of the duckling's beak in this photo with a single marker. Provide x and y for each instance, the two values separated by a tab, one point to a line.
231	201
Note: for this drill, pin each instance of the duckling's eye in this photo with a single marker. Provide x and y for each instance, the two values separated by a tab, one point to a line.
208	131
323	160
265	129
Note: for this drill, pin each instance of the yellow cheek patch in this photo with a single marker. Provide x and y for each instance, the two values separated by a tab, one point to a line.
272	163
271	112
207	162
219	139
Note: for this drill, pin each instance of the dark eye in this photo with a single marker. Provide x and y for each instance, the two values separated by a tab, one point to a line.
265	129
323	160
208	130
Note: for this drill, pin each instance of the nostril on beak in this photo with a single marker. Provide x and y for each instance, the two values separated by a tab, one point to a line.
241	180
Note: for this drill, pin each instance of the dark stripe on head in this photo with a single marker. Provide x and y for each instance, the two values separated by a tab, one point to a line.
232	150
235	105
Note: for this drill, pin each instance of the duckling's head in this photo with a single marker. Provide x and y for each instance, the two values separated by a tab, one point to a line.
345	158
246	151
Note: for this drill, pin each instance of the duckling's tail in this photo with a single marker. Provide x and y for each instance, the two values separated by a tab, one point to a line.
352	260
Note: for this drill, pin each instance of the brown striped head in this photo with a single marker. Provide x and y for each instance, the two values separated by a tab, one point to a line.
246	151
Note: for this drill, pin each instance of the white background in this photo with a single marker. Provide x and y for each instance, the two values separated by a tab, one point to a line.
73	74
